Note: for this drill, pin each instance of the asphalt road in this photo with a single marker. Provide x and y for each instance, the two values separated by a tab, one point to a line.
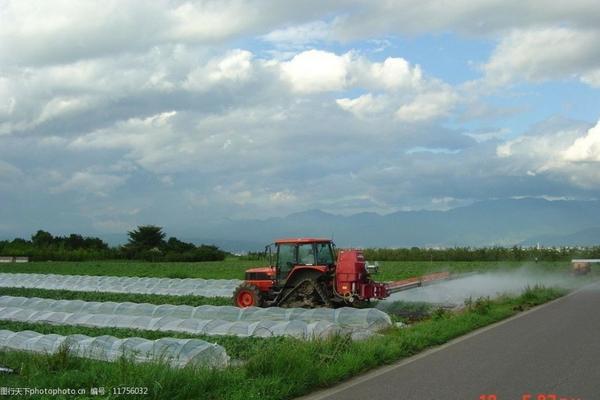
554	349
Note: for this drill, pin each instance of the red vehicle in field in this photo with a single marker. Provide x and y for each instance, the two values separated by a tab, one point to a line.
305	272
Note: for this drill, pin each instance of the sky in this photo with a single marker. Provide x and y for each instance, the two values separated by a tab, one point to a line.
117	113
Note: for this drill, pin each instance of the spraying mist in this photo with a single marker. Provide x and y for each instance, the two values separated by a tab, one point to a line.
492	284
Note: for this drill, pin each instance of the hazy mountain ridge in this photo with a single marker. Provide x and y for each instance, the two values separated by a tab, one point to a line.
493	222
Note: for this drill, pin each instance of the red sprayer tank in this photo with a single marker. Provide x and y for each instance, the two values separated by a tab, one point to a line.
352	278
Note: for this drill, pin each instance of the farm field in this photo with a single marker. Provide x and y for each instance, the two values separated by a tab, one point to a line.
229	269
234	268
280	367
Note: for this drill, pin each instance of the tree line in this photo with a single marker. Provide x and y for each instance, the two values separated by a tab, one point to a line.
146	242
496	253
150	243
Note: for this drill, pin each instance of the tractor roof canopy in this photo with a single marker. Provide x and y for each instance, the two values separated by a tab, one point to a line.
302	240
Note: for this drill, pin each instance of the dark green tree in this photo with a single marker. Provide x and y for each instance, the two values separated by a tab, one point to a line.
74	242
94	243
42	239
176	245
146	237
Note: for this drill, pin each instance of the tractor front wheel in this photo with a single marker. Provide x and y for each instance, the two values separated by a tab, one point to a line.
247	295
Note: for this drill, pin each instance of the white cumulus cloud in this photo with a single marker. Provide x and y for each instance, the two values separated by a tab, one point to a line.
396	72
427	106
316	71
235	66
562	153
539	54
586	148
364	105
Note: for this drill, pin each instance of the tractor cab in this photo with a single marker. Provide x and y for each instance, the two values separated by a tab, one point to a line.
291	254
291	262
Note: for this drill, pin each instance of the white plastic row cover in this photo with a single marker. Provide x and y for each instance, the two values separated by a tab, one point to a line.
123	284
176	352
367	318
214	327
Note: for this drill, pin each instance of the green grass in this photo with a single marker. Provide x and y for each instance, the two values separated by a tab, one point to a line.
116	297
229	269
234	268
275	369
406	311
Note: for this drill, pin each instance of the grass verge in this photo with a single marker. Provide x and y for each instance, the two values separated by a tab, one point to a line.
275	368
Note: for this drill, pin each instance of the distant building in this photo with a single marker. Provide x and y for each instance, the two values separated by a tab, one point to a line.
11	259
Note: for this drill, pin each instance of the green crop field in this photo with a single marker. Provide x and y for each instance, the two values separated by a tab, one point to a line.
234	268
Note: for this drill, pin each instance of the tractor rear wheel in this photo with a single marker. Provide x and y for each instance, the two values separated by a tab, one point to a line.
247	295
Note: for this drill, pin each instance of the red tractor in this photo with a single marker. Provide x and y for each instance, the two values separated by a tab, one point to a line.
304	272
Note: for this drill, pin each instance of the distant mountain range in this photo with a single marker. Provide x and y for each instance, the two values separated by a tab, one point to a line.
495	222
525	222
